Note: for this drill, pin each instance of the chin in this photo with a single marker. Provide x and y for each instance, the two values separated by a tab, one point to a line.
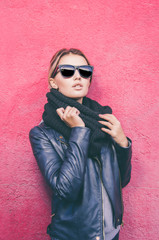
76	96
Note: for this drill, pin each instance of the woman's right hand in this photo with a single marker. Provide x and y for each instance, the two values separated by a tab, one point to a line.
70	116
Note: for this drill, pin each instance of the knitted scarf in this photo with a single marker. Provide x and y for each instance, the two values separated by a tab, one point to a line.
89	110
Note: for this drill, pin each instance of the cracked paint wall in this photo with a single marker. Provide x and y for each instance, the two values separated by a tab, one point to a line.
120	39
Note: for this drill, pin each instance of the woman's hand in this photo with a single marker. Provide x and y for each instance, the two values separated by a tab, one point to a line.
114	129
70	116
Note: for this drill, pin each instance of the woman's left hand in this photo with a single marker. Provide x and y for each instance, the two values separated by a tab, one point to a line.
114	129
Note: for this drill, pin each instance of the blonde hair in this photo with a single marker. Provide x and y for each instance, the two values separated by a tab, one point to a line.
59	54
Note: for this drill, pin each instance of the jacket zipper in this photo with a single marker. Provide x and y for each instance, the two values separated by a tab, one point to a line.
102	194
122	223
122	205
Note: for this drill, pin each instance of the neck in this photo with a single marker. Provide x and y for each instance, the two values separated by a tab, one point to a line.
80	100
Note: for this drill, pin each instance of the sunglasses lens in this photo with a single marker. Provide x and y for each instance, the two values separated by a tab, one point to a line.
85	71
67	71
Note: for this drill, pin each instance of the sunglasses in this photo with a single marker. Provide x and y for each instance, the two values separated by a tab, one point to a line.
68	71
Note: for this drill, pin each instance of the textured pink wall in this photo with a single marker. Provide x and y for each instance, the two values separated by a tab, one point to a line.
121	40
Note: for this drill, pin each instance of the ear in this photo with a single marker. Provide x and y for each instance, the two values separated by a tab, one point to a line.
53	83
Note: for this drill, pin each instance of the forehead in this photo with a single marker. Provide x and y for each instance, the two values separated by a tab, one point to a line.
73	59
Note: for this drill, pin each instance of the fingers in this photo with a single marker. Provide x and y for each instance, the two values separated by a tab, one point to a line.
74	111
107	131
114	129
67	112
60	112
109	117
70	111
70	116
107	124
111	123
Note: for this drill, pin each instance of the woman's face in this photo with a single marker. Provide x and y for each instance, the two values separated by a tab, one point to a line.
74	87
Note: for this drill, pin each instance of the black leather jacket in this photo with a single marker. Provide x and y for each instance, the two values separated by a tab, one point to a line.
76	181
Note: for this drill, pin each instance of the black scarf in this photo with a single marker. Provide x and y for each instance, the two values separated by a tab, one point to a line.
89	110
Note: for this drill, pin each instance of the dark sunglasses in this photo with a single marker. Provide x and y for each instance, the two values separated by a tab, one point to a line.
68	71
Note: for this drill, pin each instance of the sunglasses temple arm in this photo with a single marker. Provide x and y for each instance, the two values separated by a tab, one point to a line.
54	72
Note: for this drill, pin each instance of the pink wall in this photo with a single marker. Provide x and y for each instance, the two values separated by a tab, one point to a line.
121	40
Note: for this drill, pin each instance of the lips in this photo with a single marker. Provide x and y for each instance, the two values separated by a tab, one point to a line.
77	86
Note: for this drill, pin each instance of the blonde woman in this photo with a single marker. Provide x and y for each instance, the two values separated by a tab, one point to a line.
83	154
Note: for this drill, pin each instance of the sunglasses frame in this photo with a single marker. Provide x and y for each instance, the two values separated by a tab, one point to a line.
60	66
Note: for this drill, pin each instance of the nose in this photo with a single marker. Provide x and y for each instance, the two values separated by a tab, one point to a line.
77	75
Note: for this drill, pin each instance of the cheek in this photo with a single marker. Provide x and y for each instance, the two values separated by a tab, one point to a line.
88	84
86	89
62	84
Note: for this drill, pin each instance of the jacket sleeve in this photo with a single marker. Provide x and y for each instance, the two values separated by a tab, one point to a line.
65	176
124	155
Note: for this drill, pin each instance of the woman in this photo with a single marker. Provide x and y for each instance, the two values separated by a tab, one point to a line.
82	152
